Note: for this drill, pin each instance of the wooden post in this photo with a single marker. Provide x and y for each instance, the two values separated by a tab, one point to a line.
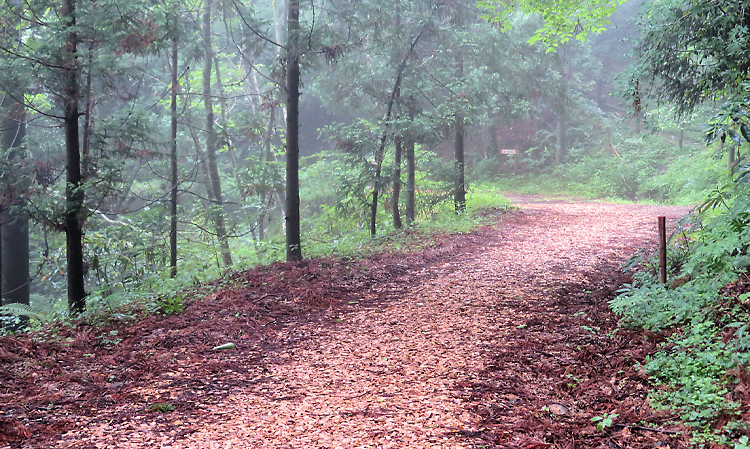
663	250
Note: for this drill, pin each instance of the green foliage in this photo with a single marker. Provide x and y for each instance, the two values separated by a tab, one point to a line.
644	168
708	330
161	407
567	19
171	305
10	312
353	241
602	422
679	40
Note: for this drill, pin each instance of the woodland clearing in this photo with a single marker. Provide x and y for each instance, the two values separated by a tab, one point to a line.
501	337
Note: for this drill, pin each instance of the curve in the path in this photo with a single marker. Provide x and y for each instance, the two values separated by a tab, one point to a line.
396	376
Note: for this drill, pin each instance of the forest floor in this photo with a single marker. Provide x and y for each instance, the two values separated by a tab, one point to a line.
499	338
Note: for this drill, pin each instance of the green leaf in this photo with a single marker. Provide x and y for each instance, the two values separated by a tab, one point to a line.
161	407
745	130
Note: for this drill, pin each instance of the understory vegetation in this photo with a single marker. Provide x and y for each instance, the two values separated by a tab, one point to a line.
703	314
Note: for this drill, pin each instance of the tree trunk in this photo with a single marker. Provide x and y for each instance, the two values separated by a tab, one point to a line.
560	139
397	185
173	163
459	193
561	108
410	167
88	120
293	239
265	158
213	170
14	239
383	137
732	160
225	135
397	155
74	194
493	149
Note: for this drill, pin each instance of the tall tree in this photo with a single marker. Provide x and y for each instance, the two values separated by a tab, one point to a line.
173	161
74	191
293	237
211	140
459	189
14	219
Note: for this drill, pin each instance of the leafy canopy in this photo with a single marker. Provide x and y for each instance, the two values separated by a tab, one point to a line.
695	50
563	19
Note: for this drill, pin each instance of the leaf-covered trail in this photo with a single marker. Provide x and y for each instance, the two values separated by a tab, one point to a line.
494	339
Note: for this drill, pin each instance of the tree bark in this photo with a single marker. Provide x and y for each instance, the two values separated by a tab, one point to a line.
74	193
293	238
173	166
397	185
213	170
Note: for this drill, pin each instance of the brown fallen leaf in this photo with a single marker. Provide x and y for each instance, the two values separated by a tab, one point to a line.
534	444
559	410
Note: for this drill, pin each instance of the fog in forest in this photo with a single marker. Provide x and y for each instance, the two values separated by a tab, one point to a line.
150	146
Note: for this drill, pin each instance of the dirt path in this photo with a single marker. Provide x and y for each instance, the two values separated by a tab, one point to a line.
500	338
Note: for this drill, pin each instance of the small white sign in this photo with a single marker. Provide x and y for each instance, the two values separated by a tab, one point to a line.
508	151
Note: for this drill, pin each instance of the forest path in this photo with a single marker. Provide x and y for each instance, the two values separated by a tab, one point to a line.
494	339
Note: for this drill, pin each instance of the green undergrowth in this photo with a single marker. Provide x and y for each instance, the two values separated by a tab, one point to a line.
200	274
438	220
646	169
700	370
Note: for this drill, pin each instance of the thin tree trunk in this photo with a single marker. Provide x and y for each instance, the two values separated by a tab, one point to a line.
173	163
265	158
397	154
88	120
74	194
293	238
459	193
493	149
732	160
14	239
225	134
397	185
213	170
560	139
383	137
410	167
124	195
203	166
561	108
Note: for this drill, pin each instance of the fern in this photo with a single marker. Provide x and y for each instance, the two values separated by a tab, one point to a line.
17	309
